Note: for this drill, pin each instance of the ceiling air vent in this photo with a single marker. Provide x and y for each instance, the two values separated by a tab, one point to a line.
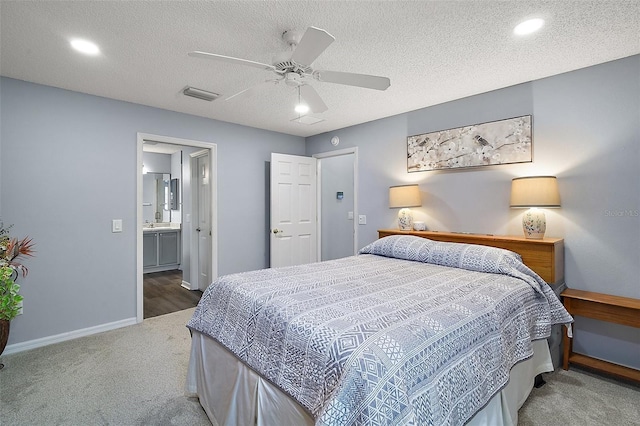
200	94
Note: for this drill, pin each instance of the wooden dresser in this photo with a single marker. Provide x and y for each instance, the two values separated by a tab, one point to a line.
545	257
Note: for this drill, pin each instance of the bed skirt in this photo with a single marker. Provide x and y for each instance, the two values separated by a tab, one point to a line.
233	394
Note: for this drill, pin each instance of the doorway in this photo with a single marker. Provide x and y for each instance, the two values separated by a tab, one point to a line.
337	203
188	225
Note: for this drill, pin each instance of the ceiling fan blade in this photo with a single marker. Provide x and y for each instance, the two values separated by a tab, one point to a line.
251	89
351	79
313	43
313	100
231	60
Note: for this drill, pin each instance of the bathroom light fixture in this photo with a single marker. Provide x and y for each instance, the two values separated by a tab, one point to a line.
200	94
529	26
534	192
404	196
85	46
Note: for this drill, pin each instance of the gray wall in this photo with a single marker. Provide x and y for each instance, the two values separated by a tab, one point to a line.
337	229
586	132
68	167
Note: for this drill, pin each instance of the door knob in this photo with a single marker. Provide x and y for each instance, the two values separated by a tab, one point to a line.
275	231
198	229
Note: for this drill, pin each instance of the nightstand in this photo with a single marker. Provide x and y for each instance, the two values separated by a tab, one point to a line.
603	307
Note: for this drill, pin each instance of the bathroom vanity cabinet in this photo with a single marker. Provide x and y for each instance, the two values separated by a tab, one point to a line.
161	250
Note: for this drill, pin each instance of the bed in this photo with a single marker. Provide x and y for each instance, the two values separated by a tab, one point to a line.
410	331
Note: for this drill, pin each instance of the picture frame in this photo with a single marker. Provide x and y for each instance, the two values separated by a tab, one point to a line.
506	141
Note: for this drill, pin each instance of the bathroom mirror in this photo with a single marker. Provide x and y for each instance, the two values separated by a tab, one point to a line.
174	194
155	197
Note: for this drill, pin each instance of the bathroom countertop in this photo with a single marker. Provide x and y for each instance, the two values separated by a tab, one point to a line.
164	226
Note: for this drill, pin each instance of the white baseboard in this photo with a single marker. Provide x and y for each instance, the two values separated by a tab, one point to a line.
49	340
187	285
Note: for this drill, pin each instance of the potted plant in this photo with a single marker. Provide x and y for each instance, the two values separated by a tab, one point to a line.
11	249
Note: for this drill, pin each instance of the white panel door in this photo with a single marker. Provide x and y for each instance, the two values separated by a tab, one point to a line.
203	219
293	210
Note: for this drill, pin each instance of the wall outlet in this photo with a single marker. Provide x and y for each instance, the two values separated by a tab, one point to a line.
362	219
350	215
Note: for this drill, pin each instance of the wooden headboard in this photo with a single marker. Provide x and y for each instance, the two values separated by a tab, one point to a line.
545	257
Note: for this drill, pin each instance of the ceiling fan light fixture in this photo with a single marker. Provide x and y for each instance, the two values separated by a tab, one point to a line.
294	69
301	109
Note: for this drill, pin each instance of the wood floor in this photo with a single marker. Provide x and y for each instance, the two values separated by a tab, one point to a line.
164	294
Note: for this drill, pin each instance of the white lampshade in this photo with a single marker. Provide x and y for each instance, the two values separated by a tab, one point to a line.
402	197
534	192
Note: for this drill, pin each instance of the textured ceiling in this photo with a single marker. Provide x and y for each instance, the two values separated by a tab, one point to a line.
433	51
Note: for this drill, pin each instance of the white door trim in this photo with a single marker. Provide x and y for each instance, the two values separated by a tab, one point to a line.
212	147
337	153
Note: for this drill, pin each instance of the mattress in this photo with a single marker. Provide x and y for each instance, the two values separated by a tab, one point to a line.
410	331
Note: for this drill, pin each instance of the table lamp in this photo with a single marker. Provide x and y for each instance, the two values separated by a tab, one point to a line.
534	192
403	197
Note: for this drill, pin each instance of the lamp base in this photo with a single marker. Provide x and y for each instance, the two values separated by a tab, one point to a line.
534	224
405	220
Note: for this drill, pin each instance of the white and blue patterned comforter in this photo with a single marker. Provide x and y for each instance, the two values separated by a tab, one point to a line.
411	331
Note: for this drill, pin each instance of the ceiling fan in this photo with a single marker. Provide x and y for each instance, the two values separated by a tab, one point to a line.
294	67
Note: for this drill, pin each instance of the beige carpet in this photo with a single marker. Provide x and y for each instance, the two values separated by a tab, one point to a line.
130	376
577	397
135	376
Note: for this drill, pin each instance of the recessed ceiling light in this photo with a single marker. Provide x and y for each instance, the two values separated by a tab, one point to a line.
529	26
84	46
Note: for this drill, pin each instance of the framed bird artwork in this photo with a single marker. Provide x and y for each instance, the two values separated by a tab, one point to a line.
497	142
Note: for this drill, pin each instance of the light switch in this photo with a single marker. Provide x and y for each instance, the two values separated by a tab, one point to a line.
362	219
116	225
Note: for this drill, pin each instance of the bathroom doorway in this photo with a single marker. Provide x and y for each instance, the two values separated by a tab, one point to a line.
182	225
